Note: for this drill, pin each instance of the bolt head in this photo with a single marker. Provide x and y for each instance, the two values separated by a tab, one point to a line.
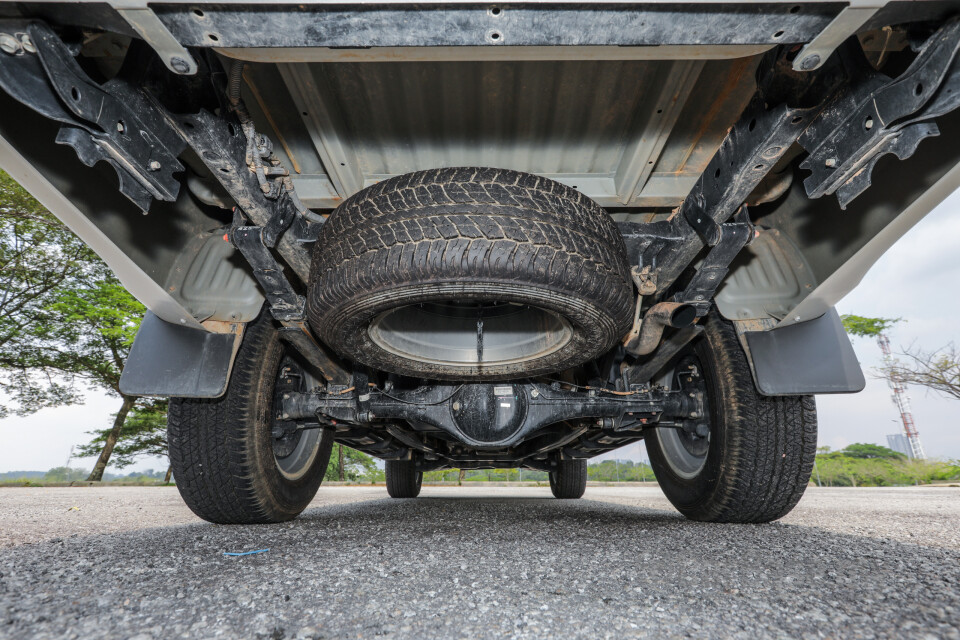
456	406
694	414
179	65
154	165
811	62
830	162
27	43
9	44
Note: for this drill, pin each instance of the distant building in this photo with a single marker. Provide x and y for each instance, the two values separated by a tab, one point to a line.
899	443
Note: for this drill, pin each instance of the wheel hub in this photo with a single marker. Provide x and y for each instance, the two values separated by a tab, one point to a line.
685	448
294	449
470	333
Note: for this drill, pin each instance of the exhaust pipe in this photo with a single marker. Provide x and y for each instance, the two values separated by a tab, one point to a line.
645	338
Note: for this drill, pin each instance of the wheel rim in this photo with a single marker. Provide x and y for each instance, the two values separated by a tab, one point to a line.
294	452
470	333
685	452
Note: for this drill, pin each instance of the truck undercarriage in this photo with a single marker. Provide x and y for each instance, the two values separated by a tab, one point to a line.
483	235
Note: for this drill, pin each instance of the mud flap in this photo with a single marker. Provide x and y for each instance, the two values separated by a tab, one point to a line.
173	361
800	359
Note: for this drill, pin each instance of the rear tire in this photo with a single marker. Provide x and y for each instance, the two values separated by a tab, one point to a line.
403	479
569	481
228	467
756	460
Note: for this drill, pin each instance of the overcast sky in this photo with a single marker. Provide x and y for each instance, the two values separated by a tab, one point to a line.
918	280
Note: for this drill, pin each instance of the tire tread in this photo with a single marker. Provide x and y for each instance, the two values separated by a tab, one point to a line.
569	481
213	463
770	443
403	479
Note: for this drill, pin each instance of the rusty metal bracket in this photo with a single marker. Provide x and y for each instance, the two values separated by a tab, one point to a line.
222	146
755	143
286	305
734	236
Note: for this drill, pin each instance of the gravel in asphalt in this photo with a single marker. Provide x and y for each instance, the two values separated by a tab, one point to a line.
479	562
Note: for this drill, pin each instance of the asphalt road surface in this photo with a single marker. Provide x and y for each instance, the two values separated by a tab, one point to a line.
479	563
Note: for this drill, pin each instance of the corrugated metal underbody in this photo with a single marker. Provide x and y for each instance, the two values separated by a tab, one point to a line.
628	133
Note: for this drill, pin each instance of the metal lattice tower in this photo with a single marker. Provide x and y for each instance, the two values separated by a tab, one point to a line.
902	401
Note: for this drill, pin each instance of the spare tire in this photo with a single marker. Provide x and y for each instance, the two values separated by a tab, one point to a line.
470	274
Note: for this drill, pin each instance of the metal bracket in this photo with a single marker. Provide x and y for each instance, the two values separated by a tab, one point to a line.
755	143
874	118
280	221
734	236
643	373
816	52
146	23
644	240
645	279
112	122
222	146
285	304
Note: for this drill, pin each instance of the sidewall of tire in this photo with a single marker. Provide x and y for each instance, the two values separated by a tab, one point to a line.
403	479
221	450
286	497
691	496
761	448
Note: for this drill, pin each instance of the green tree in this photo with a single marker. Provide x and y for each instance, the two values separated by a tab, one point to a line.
63	474
144	433
871	465
86	333
38	257
65	316
937	370
355	465
866	450
864	327
619	471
